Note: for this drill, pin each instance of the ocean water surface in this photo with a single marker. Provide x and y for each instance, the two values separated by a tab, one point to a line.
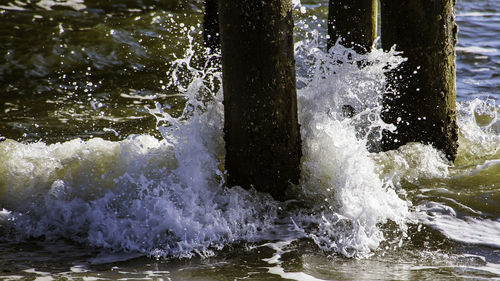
111	156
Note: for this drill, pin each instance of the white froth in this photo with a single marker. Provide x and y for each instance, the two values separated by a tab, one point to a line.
476	50
167	197
337	168
479	137
411	163
50	4
160	198
467	230
478	14
143	200
275	262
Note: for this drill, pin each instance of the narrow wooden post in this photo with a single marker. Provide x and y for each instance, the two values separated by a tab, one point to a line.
355	21
423	102
263	146
211	25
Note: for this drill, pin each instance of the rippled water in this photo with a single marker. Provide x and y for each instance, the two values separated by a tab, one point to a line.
111	156
478	50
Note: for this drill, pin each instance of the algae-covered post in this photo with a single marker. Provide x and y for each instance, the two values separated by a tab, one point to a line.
354	21
422	101
211	25
260	103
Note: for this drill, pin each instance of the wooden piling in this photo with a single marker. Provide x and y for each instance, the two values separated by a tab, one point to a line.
422	101
211	35
355	21
263	146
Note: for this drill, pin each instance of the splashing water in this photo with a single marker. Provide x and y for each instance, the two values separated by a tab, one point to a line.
337	168
167	198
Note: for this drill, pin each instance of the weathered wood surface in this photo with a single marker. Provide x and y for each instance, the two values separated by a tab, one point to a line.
211	34
354	21
263	145
422	102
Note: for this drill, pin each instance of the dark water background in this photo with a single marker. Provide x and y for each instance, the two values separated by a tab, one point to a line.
90	69
69	73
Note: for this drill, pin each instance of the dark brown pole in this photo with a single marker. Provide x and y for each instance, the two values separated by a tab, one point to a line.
263	146
422	101
355	21
211	25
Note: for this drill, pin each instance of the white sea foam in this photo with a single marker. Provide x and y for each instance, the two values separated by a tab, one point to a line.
478	14
275	262
411	163
477	163
168	197
133	195
156	197
479	136
49	4
13	7
477	50
466	229
337	167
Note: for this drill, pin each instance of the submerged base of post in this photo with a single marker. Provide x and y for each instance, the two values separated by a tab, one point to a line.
422	98
263	146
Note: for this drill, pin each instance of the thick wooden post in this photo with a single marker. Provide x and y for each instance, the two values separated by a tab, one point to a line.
260	103
211	25
355	21
423	102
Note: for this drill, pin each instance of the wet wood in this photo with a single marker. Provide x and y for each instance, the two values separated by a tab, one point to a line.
211	35
421	101
263	146
354	22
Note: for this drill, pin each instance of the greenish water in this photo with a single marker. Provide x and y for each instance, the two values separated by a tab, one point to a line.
75	70
111	157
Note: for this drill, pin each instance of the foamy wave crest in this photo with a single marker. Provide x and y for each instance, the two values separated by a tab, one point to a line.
133	195
168	197
411	163
479	137
480	231
337	168
157	197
